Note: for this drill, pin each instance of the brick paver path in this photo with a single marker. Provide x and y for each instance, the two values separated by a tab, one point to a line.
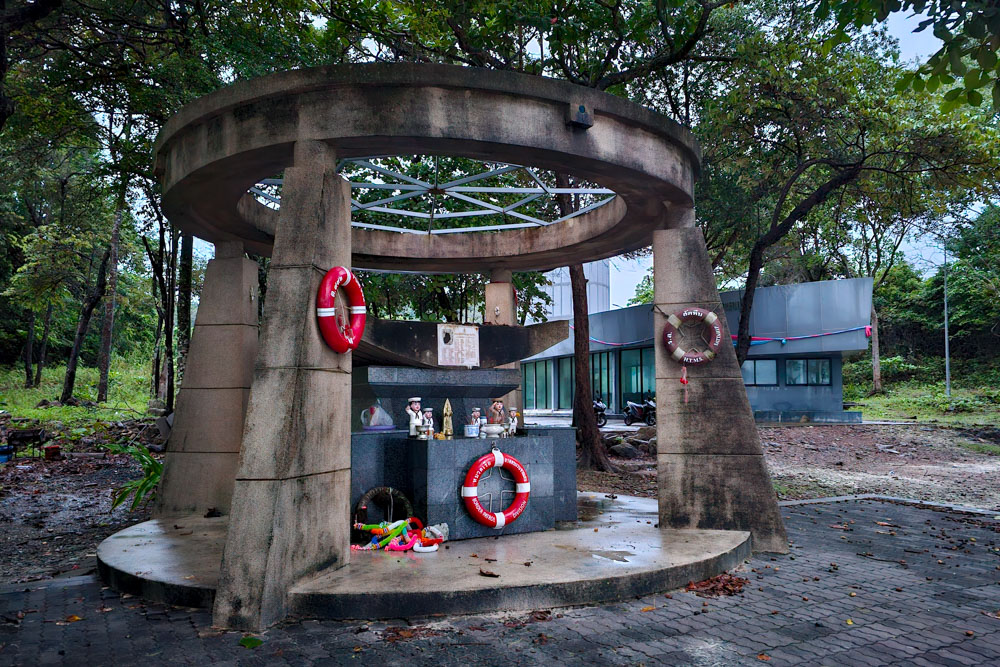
926	590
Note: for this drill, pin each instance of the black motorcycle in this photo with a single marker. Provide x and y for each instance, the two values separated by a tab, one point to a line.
644	412
599	408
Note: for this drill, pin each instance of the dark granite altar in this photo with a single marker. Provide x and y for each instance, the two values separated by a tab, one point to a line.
430	473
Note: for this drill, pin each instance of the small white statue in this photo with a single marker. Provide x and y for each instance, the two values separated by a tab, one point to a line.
415	416
513	422
428	423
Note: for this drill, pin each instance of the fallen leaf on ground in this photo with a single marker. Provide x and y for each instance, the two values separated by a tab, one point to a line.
647	608
850	622
73	618
251	642
487	573
763	656
724	584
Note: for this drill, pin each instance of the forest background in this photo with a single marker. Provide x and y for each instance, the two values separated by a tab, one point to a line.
823	156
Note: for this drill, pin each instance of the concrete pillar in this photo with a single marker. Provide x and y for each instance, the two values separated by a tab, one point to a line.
204	446
501	308
290	513
711	470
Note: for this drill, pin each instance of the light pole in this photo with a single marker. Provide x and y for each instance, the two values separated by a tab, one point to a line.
947	355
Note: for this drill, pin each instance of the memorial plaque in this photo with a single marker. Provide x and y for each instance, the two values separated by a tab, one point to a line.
458	345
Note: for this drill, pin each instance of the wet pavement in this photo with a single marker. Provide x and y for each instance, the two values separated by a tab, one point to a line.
866	583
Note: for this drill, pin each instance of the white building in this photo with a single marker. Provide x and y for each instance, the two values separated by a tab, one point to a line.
598	290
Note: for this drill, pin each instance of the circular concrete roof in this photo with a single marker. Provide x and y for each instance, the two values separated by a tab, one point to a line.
216	148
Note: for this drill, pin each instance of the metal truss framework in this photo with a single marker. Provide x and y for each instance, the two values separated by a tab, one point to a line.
460	189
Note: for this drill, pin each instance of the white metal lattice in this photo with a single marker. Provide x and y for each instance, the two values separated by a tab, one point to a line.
407	188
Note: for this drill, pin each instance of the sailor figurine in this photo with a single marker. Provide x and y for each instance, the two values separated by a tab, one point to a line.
428	424
476	414
415	416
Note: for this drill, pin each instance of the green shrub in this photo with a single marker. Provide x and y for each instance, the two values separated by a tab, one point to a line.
144	488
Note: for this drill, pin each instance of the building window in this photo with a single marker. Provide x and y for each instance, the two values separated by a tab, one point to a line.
567	383
807	372
638	374
537	383
600	376
760	372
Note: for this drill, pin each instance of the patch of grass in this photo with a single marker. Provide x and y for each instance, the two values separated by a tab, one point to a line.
980	447
927	402
128	395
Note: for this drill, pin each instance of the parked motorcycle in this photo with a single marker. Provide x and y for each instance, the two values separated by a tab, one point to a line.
599	408
644	412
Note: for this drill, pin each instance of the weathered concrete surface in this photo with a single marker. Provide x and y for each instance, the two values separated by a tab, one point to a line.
203	450
216	147
290	513
412	343
710	468
501	309
627	556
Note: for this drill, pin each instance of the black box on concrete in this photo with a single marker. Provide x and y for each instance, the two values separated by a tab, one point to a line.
431	472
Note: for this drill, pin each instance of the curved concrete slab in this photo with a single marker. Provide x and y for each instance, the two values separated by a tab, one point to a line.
218	146
614	552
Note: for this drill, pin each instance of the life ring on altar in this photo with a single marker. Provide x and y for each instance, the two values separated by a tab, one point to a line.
340	338
470	491
693	357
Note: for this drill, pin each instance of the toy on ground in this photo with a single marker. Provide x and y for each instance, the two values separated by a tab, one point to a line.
397	536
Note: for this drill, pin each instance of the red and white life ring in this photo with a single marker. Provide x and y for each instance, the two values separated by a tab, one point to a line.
346	336
714	337
470	491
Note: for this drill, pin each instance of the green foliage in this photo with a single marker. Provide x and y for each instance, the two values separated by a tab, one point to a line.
128	393
644	290
967	60
142	489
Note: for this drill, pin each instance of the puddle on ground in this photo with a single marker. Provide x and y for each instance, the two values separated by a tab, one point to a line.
620	556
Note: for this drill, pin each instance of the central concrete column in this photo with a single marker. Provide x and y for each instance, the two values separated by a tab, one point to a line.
204	446
290	514
710	467
501	308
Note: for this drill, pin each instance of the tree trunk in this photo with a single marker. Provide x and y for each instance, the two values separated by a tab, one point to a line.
592	452
83	323
168	327
876	362
185	265
29	350
46	330
746	303
107	331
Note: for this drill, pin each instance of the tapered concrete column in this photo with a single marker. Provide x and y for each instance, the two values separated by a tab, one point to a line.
711	471
290	516
501	308
204	446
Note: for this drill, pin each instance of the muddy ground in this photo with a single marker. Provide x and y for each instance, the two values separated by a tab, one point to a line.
910	461
53	514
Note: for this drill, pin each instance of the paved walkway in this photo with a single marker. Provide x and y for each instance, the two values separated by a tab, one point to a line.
867	583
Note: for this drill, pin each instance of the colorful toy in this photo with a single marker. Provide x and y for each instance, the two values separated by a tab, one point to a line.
397	536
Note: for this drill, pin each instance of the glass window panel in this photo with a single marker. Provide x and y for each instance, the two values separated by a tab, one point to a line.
747	370
541	385
529	386
566	383
813	371
631	376
795	371
824	371
648	371
766	371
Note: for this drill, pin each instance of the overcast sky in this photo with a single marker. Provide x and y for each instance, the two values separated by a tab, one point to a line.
625	275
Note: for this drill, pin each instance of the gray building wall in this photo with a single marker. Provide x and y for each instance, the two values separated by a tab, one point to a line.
778	312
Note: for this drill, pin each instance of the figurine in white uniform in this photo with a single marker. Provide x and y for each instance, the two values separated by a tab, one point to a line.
415	416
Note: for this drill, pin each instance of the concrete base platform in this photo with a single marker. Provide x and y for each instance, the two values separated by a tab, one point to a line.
614	551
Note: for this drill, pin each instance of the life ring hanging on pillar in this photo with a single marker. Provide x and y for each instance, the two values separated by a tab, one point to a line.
713	338
470	491
340	337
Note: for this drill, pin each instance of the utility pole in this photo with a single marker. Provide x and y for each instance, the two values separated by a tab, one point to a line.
947	355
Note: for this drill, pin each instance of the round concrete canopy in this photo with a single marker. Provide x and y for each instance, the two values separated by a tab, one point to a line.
216	148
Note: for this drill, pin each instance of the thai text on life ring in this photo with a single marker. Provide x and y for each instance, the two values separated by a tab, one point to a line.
470	492
713	336
341	337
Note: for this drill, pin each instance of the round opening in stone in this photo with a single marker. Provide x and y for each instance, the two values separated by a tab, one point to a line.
446	194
